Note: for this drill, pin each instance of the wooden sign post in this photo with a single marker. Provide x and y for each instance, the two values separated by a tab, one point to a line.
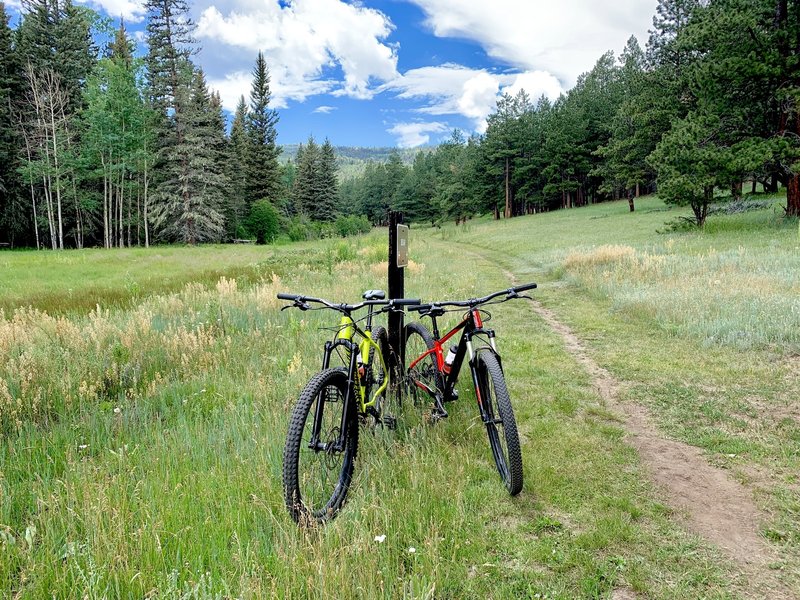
398	259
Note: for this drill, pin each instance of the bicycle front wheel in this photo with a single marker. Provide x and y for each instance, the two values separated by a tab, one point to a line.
317	473
500	423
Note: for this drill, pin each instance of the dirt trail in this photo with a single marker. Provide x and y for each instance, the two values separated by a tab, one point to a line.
714	506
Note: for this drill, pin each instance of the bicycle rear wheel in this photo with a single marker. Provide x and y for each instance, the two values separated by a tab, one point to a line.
500	423
316	480
422	376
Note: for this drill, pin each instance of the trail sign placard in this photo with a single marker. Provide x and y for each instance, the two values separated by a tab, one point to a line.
402	246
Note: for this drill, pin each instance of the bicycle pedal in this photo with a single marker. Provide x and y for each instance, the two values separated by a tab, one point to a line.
437	414
452	397
390	422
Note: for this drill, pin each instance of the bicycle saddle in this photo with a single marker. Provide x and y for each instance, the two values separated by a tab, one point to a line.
374	295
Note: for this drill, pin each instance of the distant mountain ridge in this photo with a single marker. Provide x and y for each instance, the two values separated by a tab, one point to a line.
352	160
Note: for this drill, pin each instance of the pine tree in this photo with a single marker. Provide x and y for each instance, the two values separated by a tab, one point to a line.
170	48
325	206
627	149
691	162
263	173
122	48
170	79
307	183
501	145
191	209
13	218
56	35
236	210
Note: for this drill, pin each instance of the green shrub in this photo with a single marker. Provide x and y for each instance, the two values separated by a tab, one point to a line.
323	229
264	221
298	231
352	225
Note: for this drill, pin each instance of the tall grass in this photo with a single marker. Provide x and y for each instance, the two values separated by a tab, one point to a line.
733	297
141	456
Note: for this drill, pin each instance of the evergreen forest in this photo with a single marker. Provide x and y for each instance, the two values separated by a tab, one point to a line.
104	146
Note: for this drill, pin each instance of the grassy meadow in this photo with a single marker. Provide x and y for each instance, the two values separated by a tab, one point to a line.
145	395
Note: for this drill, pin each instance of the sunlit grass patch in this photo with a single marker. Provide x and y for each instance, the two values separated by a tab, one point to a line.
729	297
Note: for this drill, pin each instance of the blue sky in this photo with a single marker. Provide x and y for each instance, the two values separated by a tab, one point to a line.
398	72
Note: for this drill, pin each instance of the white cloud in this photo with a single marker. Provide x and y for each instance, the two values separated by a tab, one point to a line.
536	84
236	84
324	110
231	88
472	93
302	38
411	135
564	38
130	10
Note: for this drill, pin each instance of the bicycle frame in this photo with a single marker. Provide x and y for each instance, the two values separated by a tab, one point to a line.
348	330
470	326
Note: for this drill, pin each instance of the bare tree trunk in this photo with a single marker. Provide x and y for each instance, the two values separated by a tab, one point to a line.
637	189
49	204
57	175
120	201
146	224
736	190
507	212
129	220
33	192
138	214
105	202
793	196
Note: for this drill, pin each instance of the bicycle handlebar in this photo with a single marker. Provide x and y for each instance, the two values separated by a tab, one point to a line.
510	292
341	307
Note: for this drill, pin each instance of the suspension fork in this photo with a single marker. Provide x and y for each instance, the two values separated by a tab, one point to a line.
352	352
474	329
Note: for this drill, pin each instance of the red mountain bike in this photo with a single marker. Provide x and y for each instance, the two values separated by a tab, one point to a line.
436	373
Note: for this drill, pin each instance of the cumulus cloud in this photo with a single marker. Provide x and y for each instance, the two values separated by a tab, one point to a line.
130	10
303	38
411	135
472	93
564	38
536	84
238	83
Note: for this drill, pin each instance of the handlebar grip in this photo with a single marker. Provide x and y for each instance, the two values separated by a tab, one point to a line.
525	287
292	297
419	307
406	302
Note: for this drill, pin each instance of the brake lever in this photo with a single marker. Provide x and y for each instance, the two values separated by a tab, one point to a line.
304	306
391	308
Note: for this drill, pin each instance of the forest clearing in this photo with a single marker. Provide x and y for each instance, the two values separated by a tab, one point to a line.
144	413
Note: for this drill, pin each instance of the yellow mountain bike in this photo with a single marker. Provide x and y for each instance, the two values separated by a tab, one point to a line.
322	441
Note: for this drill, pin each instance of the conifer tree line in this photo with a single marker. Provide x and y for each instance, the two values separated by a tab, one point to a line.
711	104
100	147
